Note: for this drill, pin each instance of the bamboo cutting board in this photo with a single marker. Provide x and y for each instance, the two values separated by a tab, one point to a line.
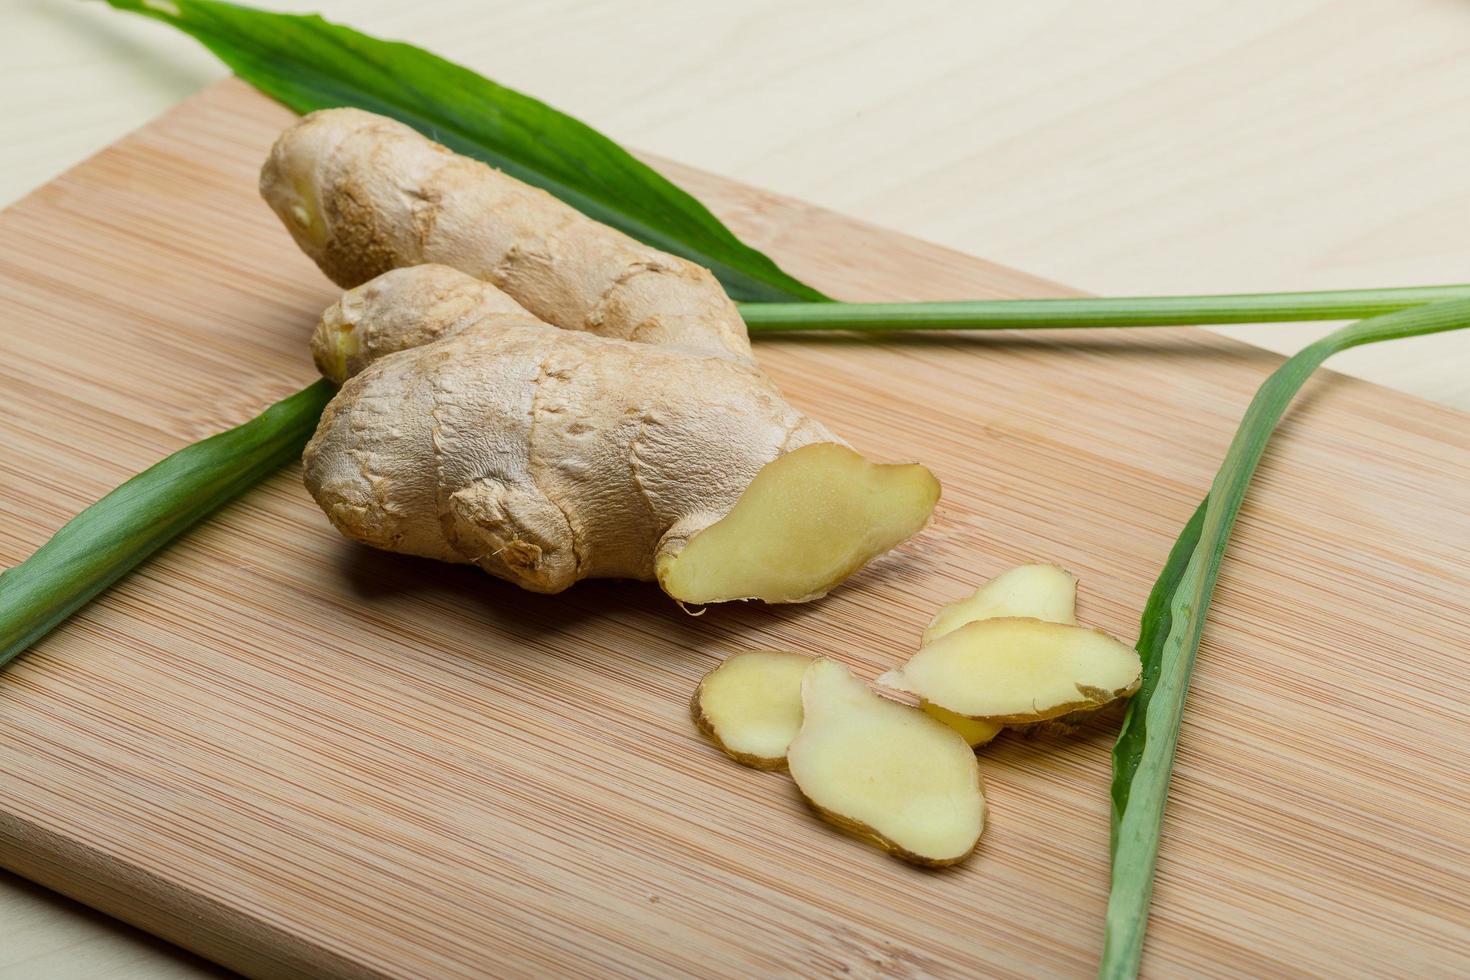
302	757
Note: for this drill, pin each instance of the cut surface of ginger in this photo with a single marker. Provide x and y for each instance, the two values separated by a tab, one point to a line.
807	521
885	771
1035	591
750	705
974	731
1017	671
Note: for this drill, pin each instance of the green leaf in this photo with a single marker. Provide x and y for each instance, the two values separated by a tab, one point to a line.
1173	621
109	538
308	63
1091	311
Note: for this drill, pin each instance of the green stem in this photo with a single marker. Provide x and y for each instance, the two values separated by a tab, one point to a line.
1174	619
105	541
1138	311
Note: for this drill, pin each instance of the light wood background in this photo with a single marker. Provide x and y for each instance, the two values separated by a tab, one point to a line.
1123	148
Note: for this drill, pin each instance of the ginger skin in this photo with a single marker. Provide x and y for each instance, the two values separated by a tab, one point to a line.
362	194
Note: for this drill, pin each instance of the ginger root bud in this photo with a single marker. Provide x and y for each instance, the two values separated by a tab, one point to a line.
363	194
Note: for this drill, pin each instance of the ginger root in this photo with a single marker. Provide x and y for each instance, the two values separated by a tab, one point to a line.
546	456
750	706
362	194
885	771
1019	671
535	393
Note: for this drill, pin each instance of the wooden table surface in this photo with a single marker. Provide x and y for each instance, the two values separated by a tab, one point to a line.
1122	148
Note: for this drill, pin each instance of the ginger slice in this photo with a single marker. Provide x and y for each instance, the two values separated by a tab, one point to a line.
1036	591
1018	671
807	521
750	706
884	771
973	730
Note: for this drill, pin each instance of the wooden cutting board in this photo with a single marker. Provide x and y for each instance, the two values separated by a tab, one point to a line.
302	757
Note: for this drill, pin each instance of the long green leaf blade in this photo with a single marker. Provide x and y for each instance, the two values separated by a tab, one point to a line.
1174	619
1092	311
109	538
308	63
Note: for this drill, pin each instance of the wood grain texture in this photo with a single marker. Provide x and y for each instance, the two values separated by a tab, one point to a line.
297	756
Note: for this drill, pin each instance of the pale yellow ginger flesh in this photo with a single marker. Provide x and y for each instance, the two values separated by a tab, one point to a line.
885	771
1036	591
750	706
806	522
1018	671
974	731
